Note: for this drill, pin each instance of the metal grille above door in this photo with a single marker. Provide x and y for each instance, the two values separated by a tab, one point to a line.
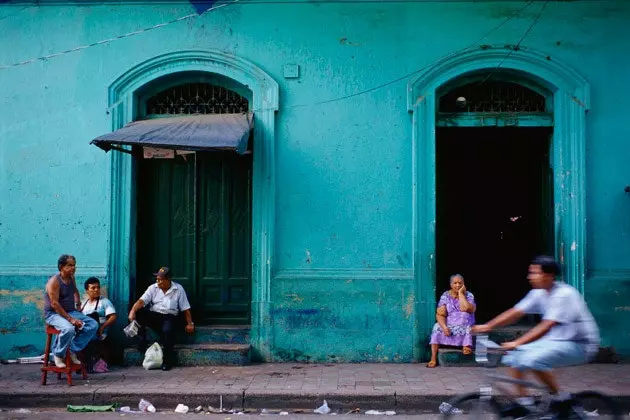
494	97
196	98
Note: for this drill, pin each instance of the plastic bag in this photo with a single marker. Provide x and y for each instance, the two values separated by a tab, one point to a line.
181	408
100	366
153	358
131	330
324	409
146	406
446	408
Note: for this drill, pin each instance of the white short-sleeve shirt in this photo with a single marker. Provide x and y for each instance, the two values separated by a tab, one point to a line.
103	306
566	306
171	302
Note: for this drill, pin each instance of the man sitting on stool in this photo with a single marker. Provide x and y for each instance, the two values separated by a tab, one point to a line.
61	302
159	308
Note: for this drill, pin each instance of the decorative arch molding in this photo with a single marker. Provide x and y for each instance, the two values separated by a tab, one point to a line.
264	103
571	101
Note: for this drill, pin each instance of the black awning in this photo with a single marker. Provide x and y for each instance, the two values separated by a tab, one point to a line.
192	132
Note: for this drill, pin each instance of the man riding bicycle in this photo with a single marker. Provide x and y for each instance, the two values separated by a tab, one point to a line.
566	336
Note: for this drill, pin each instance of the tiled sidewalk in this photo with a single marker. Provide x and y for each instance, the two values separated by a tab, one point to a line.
282	385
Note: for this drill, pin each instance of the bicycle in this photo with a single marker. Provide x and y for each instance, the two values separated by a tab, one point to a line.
484	404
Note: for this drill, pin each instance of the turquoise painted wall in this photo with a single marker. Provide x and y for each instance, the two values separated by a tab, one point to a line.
343	269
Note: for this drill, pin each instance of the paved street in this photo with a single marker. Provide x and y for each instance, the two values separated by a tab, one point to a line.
60	415
367	386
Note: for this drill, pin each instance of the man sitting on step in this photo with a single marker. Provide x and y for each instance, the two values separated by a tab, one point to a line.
160	309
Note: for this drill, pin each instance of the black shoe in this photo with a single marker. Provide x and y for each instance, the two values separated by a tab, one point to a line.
562	406
516	411
166	366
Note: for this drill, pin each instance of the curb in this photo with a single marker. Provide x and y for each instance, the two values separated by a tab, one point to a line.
239	401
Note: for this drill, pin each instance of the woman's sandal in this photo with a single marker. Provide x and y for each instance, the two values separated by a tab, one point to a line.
467	351
431	364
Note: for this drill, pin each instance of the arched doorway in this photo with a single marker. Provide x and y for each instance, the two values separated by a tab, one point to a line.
568	103
193	210
123	106
494	185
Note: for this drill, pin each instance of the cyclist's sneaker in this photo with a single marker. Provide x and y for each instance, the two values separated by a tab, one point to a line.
527	402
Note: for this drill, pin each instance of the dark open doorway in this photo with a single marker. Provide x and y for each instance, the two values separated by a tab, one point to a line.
494	210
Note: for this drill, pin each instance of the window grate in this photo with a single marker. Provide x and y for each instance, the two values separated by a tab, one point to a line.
495	97
196	98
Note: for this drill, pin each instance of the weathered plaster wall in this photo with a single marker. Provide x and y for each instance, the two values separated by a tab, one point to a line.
343	319
344	179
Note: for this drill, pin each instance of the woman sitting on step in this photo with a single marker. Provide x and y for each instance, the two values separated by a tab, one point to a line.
455	316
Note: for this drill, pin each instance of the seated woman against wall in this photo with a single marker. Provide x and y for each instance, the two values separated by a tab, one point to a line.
102	310
455	316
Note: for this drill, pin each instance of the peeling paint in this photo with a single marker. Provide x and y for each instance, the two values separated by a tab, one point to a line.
27	349
578	101
295	298
344	41
408	308
28	296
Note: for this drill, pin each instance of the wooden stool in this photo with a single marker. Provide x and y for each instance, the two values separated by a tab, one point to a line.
51	367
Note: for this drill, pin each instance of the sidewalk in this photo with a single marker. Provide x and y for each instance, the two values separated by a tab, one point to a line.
367	386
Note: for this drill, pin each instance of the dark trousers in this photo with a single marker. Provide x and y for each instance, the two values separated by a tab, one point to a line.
166	326
98	349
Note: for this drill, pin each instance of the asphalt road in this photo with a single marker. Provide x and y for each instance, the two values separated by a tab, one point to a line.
58	414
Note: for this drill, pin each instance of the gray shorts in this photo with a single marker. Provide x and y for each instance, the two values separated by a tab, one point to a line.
545	355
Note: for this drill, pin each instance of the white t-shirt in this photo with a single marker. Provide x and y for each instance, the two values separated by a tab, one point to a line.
104	309
566	306
170	303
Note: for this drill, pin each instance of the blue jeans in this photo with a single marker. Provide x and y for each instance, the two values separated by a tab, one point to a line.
69	336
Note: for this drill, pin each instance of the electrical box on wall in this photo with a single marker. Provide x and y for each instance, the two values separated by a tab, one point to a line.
291	71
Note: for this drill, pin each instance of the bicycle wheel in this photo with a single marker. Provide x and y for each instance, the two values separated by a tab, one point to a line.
589	404
472	405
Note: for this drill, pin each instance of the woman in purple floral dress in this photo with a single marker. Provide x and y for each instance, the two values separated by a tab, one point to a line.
455	316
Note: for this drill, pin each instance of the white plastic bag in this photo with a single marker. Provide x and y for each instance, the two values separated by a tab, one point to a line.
181	408
324	409
153	357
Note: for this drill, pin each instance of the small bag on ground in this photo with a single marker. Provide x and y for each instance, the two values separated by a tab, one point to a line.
153	357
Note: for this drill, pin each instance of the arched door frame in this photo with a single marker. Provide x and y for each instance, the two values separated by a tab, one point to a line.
571	101
265	100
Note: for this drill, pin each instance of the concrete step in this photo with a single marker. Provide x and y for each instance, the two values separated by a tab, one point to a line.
200	355
219	334
455	357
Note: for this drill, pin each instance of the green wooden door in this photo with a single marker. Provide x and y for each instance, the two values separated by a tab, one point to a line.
165	221
194	215
224	237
